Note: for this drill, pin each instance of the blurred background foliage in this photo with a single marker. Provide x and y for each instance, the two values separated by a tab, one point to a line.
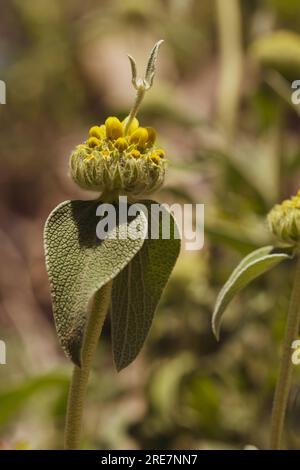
222	105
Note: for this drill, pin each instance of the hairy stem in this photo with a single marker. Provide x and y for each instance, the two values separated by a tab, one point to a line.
286	365
80	376
138	100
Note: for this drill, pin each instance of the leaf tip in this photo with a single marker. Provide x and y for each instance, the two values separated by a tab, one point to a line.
120	365
73	353
216	331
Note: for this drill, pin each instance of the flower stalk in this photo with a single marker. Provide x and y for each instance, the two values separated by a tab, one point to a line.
138	101
142	84
80	376
286	366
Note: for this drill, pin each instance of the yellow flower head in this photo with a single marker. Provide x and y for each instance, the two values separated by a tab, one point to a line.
119	160
284	220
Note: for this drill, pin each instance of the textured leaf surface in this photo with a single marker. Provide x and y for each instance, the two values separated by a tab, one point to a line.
79	264
136	293
251	267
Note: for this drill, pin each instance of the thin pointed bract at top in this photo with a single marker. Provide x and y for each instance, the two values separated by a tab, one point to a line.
141	84
151	66
133	70
147	80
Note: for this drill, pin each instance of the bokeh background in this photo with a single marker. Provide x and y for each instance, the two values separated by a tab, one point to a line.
221	102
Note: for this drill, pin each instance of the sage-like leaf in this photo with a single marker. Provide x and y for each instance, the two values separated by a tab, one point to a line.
251	267
79	264
137	290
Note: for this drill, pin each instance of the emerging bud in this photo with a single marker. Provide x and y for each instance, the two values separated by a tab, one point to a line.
114	128
139	137
284	220
93	142
96	131
151	135
135	153
160	153
155	158
121	144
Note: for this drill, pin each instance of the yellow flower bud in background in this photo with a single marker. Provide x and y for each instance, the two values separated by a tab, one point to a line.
114	128
121	144
284	220
139	137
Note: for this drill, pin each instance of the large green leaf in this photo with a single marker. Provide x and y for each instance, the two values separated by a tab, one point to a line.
137	290
251	267
79	264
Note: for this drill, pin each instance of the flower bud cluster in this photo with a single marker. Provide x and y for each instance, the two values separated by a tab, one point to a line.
284	220
114	162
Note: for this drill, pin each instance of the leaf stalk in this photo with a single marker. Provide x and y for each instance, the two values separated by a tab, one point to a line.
286	366
81	374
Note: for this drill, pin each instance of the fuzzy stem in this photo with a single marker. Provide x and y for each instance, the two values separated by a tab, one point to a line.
80	376
138	100
286	365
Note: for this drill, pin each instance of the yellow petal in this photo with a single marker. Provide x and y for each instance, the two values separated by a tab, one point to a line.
139	137
114	128
151	135
95	131
103	131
